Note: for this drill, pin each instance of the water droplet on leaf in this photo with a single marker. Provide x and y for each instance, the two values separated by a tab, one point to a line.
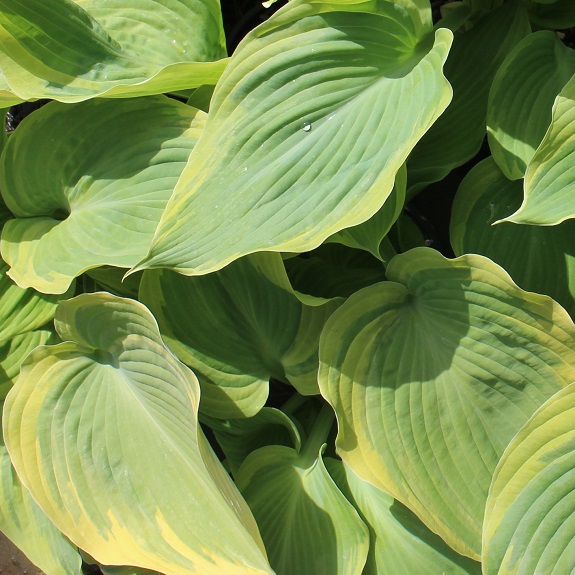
306	127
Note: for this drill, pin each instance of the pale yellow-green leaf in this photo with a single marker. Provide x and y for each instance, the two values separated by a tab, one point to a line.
112	452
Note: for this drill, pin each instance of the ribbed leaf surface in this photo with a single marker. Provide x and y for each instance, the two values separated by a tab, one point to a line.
237	328
399	543
522	96
30	529
113	165
315	114
432	373
307	524
112	452
71	51
538	258
530	517
550	181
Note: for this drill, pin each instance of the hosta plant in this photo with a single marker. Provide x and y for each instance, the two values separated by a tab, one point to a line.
293	299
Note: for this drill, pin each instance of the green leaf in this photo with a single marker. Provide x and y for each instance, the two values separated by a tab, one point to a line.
399	543
71	51
538	258
112	451
113	165
473	61
369	235
23	310
522	96
237	328
549	184
333	270
307	524
432	373
239	437
558	16
14	351
22	521
307	130
529	521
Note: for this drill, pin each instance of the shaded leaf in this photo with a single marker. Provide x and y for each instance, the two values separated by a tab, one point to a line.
114	164
399	543
22	521
432	373
538	258
237	328
549	181
71	51
473	61
112	452
522	96
307	524
314	99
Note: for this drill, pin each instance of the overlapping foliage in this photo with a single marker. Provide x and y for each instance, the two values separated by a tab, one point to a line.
227	343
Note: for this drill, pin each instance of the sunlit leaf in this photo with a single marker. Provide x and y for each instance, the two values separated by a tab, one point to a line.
432	373
22	521
237	328
369	235
522	96
112	452
308	127
71	51
113	165
530	516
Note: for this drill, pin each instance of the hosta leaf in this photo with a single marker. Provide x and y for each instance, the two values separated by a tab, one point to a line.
559	16
239	437
521	99
307	524
14	351
530	517
307	129
333	270
538	258
399	543
549	182
30	529
112	452
237	328
112	280
23	310
369	235
113	165
71	51
432	373
473	61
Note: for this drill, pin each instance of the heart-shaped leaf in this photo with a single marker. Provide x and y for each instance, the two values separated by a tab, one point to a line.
307	130
75	50
113	166
112	452
432	373
530	519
